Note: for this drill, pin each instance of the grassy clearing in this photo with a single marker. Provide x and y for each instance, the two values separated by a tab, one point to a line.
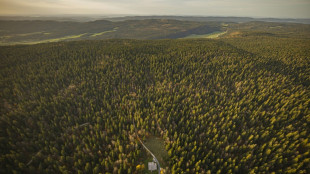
157	147
216	34
208	36
21	35
276	27
147	158
63	38
44	41
99	34
29	34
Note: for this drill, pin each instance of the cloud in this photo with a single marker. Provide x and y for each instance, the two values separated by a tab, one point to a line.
59	7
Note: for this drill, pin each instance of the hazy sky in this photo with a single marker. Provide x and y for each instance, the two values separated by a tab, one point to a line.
252	8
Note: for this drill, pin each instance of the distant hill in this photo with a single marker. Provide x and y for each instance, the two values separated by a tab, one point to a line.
19	32
53	18
42	31
77	18
212	18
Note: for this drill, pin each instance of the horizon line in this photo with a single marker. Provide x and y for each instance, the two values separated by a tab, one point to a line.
138	15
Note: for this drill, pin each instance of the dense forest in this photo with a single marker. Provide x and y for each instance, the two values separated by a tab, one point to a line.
232	105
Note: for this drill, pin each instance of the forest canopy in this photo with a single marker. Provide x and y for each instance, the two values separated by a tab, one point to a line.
230	105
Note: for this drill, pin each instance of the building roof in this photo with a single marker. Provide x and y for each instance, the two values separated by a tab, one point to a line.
152	166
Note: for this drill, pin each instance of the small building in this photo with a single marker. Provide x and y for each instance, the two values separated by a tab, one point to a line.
152	166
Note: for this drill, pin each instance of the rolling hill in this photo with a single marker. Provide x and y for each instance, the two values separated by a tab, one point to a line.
19	32
33	32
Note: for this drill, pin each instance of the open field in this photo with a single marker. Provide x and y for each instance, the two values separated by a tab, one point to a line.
63	38
29	34
157	147
208	36
45	41
99	34
145	159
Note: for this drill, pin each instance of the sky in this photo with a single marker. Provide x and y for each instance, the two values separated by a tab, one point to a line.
245	8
